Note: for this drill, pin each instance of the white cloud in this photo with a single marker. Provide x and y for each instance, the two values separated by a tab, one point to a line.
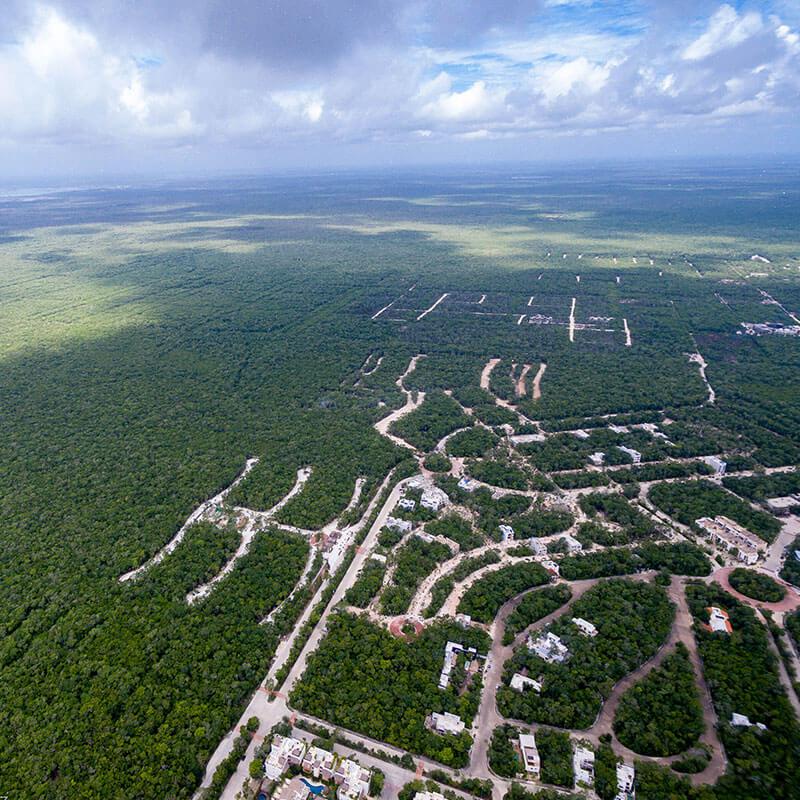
725	29
478	102
63	81
558	80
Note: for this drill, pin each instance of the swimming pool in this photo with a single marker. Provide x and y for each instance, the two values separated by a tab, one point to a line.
315	790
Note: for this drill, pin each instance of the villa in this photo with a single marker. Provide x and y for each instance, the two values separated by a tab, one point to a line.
520	683
718	620
530	754
583	766
284	751
549	647
446	723
626	777
318	762
585	627
352	779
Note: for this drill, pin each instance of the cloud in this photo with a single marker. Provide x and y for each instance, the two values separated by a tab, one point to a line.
726	29
149	74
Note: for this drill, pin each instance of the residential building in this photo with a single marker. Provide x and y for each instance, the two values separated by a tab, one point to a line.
732	537
468	486
585	627
464	620
618	429
446	723
379	557
530	754
527	438
782	506
407	504
573	545
597	458
537	548
284	751
399	525
319	763
507	532
433	498
429	796
743	721
551	567
717	464
521	682
718	620
580	433
635	455
352	780
549	647
626	777
583	766
451	651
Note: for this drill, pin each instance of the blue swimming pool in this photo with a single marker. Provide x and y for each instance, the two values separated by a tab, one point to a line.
315	790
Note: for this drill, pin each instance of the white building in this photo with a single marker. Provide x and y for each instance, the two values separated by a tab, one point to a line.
743	721
618	429
283	752
537	548
468	486
451	651
446	723
626	776
580	433
434	499
520	683
399	525
573	545
782	506
428	796
319	762
527	438
530	754
597	458
353	780
732	537
551	567
583	766
585	627
507	532
549	647
379	557
717	464
635	455
718	620
407	504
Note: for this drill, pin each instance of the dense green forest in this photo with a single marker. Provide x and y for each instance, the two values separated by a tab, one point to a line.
661	715
153	338
790	571
756	585
533	606
632	619
742	675
364	679
485	597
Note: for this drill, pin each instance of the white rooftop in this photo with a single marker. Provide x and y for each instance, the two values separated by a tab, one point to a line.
521	682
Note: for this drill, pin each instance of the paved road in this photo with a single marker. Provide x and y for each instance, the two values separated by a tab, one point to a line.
273	712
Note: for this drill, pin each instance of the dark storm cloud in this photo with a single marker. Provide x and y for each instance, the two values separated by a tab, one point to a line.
288	34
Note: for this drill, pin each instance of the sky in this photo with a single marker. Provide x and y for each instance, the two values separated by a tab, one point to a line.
154	87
